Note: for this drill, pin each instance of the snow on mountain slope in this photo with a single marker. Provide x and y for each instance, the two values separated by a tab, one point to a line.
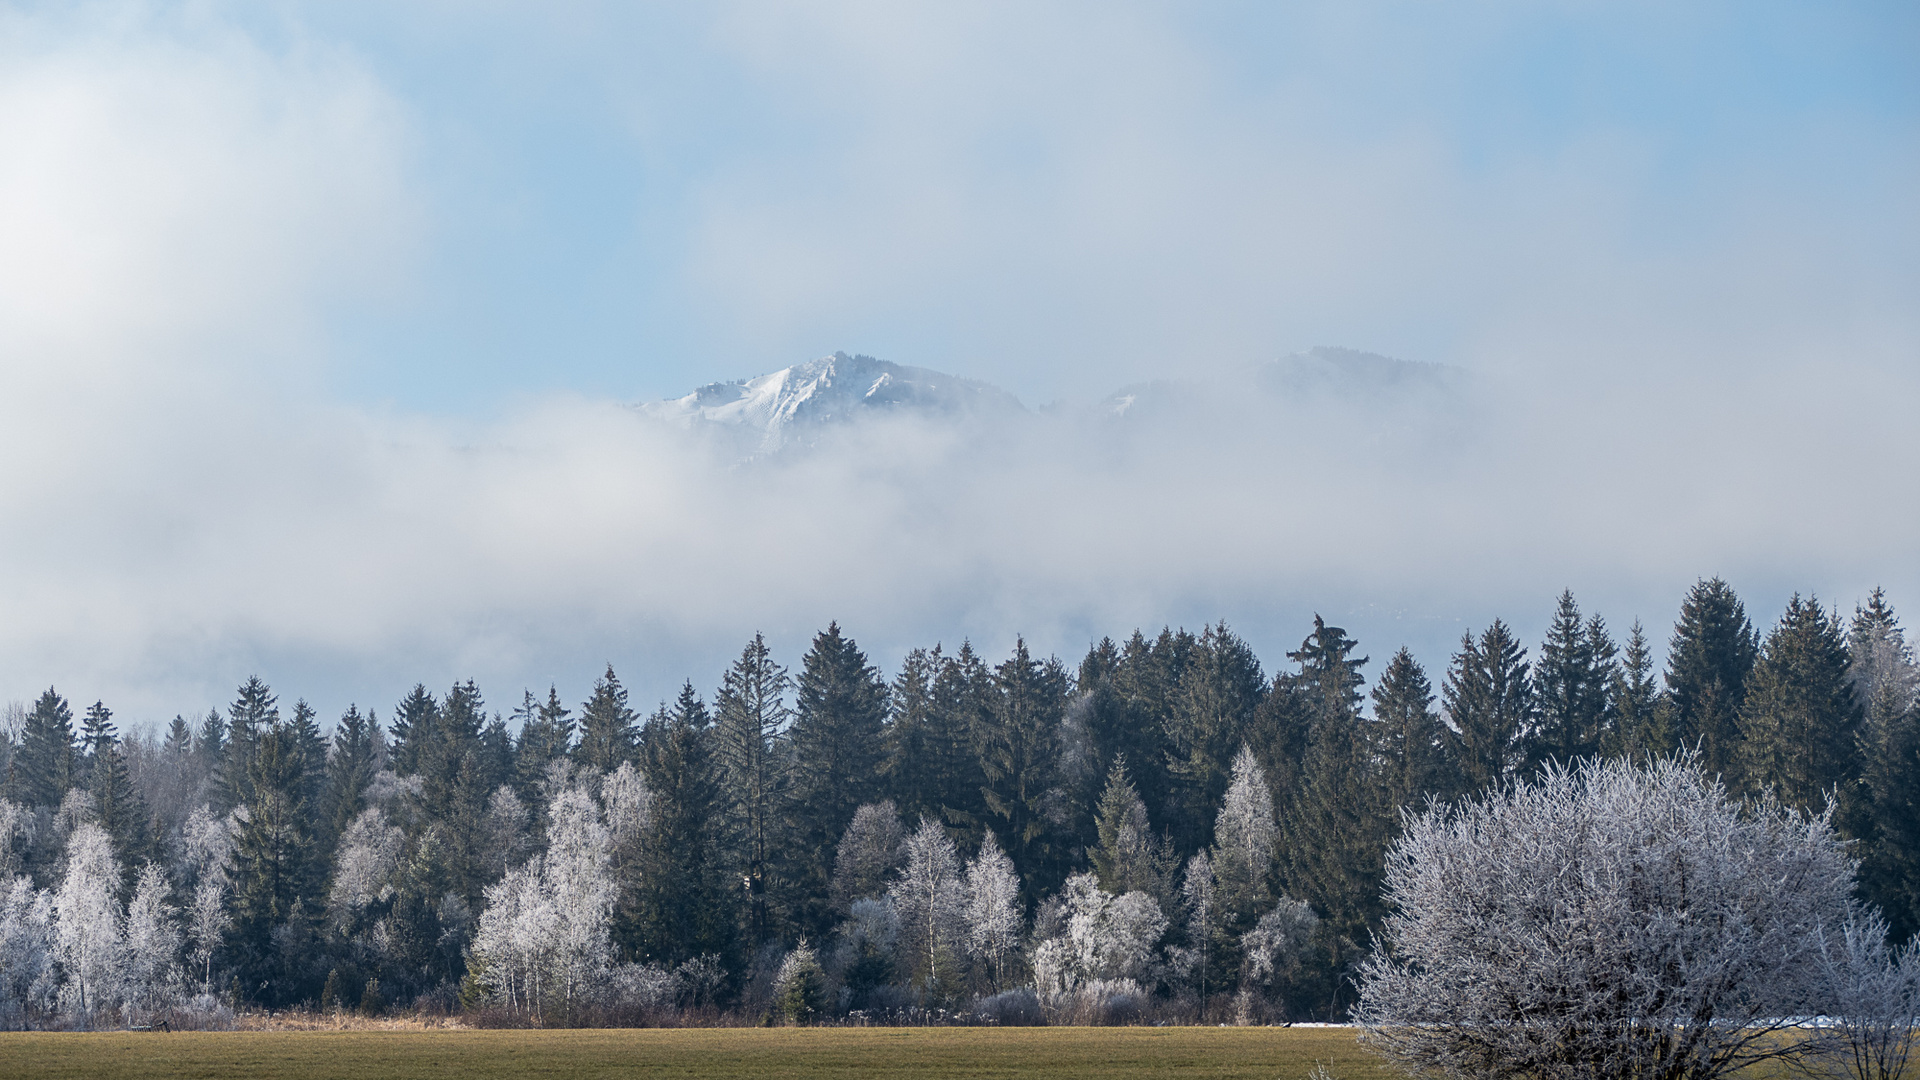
833	389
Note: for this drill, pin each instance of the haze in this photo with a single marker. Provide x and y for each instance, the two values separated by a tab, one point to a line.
318	323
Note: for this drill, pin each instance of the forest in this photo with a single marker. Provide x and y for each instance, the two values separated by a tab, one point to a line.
1164	830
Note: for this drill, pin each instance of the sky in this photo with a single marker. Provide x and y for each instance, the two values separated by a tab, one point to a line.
317	321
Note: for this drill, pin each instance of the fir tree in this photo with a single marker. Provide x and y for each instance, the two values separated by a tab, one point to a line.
751	713
254	709
1489	703
546	735
1408	739
1642	719
1799	720
45	766
1128	857
1221	687
1886	810
679	904
908	771
118	806
1713	650
278	880
609	730
414	720
350	770
1019	750
836	746
1571	684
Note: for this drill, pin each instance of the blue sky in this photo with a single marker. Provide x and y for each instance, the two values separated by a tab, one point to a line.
314	317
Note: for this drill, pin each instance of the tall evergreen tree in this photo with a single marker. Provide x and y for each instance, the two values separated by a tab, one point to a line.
45	767
1572	682
278	883
1489	708
546	735
1129	857
1642	718
454	787
1408	739
752	712
414	720
907	770
1886	810
117	803
1799	720
679	904
1018	746
609	730
1713	650
254	709
350	770
837	745
1221	687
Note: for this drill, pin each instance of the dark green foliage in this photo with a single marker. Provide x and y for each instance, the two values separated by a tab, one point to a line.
117	803
1571	683
414	720
279	879
836	756
1220	690
1642	723
751	713
350	768
1018	745
1799	720
1713	650
680	903
1884	810
47	763
1489	702
1128	856
546	735
1409	741
609	730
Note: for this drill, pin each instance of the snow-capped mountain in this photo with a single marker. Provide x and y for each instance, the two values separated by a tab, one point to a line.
778	407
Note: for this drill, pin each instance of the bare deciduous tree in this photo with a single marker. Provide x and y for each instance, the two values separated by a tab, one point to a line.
1611	920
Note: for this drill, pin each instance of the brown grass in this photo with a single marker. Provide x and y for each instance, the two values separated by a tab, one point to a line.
969	1053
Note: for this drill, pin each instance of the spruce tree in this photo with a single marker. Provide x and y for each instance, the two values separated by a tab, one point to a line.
546	735
117	804
1642	718
1407	736
907	769
1886	810
279	881
1713	650
1221	687
1572	682
1129	857
609	730
1799	720
836	753
1489	707
454	786
752	712
679	904
964	699
1018	746
254	709
350	770
45	766
414	720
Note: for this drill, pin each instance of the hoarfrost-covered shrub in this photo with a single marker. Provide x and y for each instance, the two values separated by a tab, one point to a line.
29	981
1611	920
1105	938
1011	1008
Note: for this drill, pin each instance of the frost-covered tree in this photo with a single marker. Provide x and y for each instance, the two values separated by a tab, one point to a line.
994	915
90	932
369	855
930	897
152	971
800	987
1278	945
1105	938
29	978
870	851
16	832
1129	857
1243	841
1199	893
1646	923
1874	1007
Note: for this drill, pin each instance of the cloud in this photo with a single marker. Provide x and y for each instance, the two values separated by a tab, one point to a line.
1664	388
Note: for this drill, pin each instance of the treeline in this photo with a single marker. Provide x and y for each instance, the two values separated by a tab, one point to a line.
1163	828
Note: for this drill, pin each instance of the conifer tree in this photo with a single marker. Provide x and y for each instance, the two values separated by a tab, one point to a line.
609	730
1407	736
118	806
678	903
254	709
413	725
1886	810
964	698
546	734
278	880
1221	687
1642	719
1713	650
1019	755
1571	685
1489	707
1128	857
752	712
1245	836
907	769
454	787
350	770
836	746
1799	720
45	766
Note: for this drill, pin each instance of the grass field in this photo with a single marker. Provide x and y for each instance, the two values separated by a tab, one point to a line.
1093	1053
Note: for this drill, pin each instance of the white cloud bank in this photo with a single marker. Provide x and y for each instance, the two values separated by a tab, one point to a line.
181	209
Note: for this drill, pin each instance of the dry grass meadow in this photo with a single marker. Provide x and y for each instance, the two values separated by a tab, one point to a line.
707	1054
